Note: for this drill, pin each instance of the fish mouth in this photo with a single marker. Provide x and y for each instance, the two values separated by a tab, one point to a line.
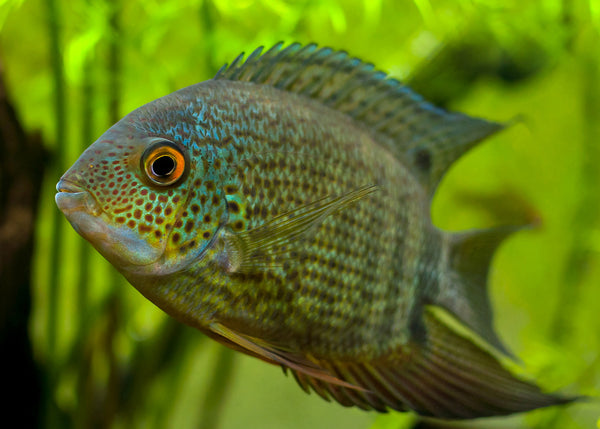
71	198
120	246
68	187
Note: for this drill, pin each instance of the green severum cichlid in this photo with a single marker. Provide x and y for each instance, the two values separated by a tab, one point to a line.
282	208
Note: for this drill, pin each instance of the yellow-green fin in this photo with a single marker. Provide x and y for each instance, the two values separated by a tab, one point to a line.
426	138
470	257
278	355
447	375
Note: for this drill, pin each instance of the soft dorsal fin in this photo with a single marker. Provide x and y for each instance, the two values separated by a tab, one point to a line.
426	138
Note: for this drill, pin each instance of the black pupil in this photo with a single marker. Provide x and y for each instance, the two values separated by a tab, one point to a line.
163	166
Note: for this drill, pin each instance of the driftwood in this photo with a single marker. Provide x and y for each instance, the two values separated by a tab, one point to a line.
22	161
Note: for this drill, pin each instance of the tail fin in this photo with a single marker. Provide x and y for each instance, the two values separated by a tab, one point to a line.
470	255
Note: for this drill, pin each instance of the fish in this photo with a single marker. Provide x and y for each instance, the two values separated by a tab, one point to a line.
282	208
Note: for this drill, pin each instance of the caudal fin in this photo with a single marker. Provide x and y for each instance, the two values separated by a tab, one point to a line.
470	256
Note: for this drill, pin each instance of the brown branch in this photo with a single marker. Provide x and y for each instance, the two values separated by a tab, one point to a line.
22	160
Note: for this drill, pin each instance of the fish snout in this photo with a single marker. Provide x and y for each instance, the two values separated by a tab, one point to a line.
64	185
72	198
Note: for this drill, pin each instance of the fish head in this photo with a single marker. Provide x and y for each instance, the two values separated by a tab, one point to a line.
140	199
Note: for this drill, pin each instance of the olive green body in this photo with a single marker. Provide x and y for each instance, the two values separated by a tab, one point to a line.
348	286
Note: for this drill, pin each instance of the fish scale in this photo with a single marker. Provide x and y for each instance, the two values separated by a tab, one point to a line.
262	207
282	208
360	317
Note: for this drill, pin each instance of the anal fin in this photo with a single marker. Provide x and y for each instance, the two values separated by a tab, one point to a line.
279	356
460	379
447	375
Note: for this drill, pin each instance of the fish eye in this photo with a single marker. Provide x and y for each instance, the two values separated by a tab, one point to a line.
163	163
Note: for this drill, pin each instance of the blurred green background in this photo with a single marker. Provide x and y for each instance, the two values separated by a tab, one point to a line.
105	357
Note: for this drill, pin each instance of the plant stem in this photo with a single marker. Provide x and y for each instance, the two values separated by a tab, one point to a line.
52	413
57	168
210	410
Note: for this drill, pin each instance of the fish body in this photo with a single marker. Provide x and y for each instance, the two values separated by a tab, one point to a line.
282	208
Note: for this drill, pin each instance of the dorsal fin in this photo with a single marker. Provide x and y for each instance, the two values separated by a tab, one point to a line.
426	138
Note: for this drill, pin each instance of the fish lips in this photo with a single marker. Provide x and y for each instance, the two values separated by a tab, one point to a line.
72	199
120	245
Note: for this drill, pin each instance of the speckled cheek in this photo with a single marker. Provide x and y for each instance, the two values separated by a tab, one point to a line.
113	178
198	220
111	172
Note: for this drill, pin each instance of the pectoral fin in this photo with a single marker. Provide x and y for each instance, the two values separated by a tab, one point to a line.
258	246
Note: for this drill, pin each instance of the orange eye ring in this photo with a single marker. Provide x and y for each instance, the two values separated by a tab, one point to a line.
164	163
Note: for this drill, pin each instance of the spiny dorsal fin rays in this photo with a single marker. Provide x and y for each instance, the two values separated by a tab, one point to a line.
426	138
